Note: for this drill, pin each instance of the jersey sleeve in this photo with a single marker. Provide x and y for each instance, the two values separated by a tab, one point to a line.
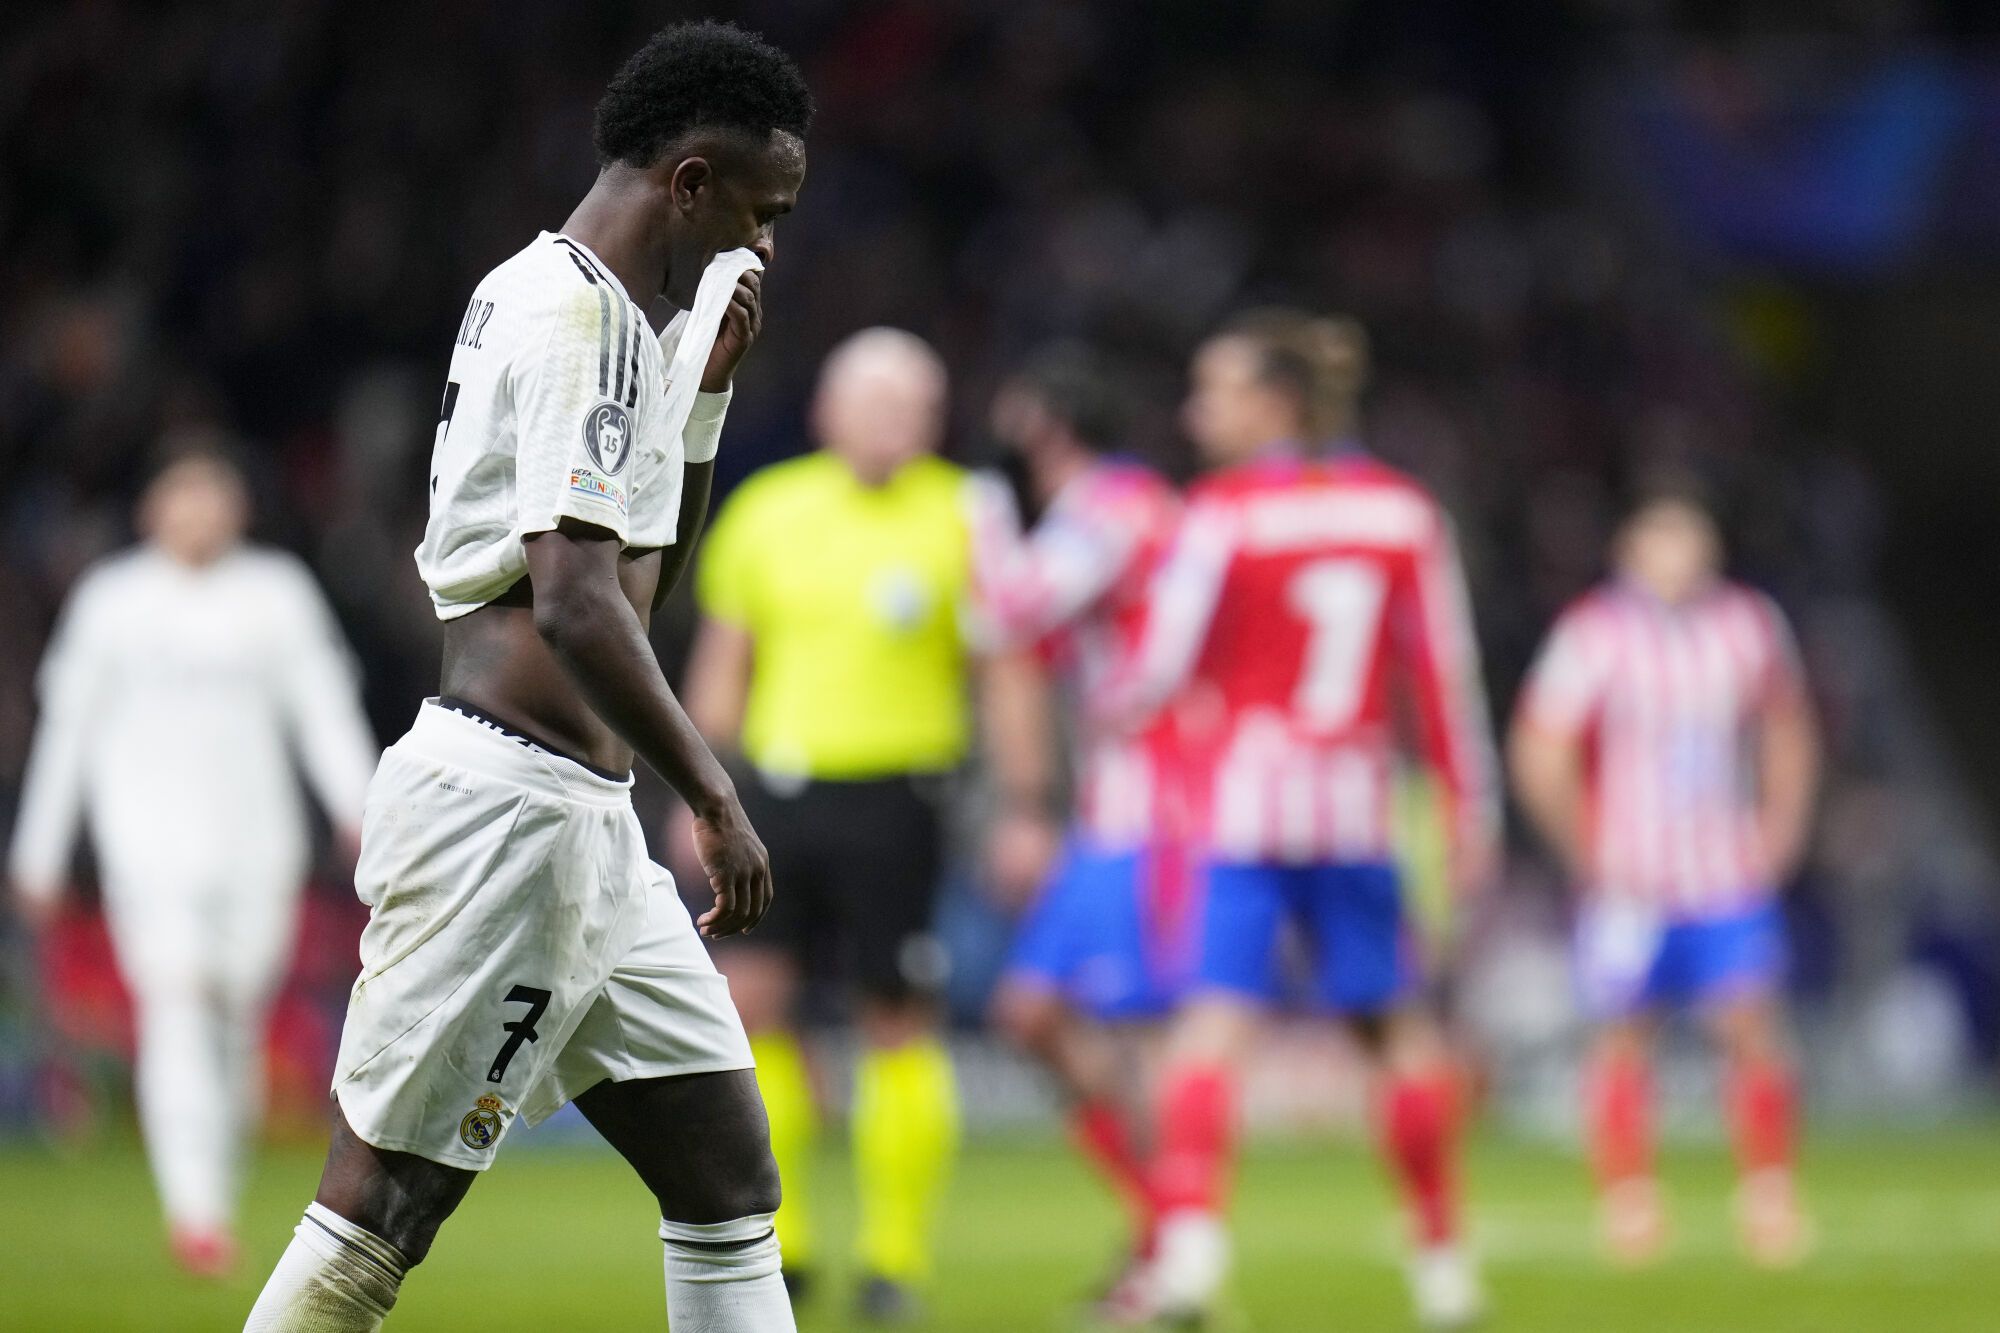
1181	602
1450	693
70	682
574	434
1028	586
725	573
1566	684
1783	677
320	689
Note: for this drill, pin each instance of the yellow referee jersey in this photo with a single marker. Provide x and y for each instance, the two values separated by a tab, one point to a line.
852	597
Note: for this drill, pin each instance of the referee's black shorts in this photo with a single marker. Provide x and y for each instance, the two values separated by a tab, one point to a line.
856	866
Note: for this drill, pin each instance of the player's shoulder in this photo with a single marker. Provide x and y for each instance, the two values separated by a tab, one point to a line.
1593	614
111	576
1361	473
549	280
275	567
1750	607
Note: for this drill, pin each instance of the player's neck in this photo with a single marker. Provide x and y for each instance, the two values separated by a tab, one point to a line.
616	220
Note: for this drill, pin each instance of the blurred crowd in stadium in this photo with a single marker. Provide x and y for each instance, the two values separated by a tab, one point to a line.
261	222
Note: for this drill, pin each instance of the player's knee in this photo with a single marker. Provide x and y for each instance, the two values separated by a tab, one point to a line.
742	1181
1748	1030
761	1190
1213	1029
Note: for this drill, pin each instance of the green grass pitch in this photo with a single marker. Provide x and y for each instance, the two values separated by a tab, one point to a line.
561	1239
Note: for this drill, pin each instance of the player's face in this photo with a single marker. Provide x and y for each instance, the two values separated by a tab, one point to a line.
746	189
1230	413
195	511
1672	549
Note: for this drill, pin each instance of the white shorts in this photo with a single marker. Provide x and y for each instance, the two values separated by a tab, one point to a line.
520	948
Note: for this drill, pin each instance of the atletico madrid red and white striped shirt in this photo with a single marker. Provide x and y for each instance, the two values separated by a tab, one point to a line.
1076	587
1303	603
1666	699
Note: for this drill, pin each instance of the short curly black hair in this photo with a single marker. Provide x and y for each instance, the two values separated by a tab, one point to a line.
693	75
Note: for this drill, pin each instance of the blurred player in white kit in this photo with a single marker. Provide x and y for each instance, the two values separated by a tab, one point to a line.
186	678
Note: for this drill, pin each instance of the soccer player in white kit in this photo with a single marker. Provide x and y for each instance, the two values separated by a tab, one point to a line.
1665	748
185	677
522	951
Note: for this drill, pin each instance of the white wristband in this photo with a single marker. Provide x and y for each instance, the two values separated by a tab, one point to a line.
702	436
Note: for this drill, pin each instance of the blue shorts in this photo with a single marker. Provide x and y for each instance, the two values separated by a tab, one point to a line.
1631	958
1087	937
1351	917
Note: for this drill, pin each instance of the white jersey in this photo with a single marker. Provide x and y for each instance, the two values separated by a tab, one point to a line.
559	405
173	702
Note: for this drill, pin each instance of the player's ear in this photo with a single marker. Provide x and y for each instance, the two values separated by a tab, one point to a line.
691	176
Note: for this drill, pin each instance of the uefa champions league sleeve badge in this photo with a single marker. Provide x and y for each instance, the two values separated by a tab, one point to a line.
607	436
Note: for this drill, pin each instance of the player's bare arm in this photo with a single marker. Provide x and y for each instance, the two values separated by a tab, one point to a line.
1548	778
1788	767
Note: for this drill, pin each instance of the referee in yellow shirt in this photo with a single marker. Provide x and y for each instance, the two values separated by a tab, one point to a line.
832	654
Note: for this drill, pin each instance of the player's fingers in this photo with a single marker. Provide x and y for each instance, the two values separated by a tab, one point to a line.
761	893
718	922
738	318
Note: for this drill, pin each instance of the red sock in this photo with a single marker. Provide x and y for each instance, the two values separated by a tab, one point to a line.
1620	1111
1101	1131
1419	1126
1197	1130
1763	1110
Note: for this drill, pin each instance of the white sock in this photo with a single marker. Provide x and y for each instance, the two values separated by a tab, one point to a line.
333	1278
722	1277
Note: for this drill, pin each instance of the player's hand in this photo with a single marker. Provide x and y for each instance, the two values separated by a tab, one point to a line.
738	870
741	323
37	905
1020	850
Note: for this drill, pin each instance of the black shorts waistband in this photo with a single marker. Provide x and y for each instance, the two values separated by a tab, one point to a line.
452	703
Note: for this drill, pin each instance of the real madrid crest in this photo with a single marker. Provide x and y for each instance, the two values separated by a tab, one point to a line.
481	1126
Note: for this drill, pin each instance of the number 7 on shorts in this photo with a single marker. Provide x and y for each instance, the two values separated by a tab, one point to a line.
537	1000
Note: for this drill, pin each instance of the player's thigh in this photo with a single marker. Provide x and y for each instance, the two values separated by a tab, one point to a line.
1085	940
161	931
257	932
700	1142
1364	961
1238	919
1731	968
1747	1026
397	1196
